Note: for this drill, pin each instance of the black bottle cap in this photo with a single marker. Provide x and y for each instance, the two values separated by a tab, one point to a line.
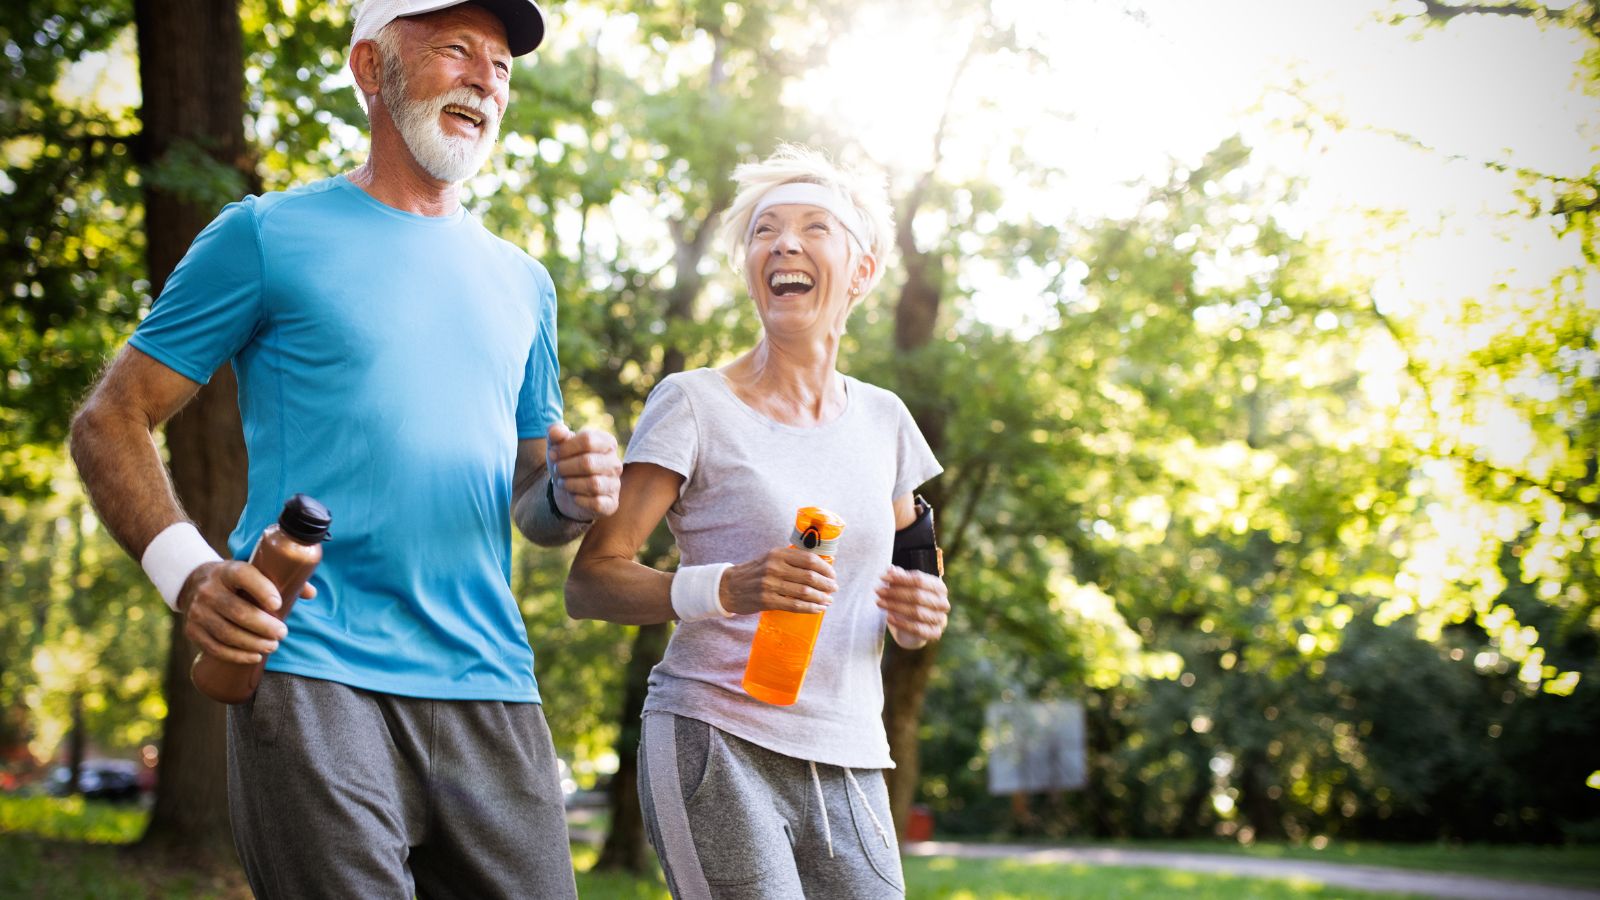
305	520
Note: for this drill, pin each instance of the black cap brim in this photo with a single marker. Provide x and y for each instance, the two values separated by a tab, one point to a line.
524	23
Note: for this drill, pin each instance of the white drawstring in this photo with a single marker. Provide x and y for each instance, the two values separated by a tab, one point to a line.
827	830
866	803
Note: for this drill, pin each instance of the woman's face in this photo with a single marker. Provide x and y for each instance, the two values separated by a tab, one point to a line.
798	270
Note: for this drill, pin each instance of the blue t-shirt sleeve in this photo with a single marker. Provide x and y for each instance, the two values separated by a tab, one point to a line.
539	402
211	304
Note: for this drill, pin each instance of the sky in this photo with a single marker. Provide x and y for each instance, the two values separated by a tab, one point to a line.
1134	89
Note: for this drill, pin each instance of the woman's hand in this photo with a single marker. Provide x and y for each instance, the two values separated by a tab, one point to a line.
918	605
786	578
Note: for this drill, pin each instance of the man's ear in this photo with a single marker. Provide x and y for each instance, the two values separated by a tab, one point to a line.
366	64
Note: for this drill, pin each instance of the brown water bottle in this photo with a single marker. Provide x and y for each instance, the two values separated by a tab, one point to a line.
287	554
781	650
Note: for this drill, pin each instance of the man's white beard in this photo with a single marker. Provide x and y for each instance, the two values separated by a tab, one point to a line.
444	156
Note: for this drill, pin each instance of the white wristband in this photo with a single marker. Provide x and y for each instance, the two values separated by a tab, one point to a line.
695	592
177	551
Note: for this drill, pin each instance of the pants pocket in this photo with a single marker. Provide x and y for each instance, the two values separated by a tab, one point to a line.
727	814
874	827
264	709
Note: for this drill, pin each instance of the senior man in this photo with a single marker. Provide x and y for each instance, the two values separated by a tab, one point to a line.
397	362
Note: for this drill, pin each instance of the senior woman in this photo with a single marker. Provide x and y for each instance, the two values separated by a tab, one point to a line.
741	798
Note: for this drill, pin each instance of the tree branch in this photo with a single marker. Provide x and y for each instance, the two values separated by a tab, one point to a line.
1339	122
977	486
1444	12
1566	495
1572	17
914	199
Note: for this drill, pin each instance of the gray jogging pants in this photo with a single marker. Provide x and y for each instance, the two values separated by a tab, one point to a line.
734	821
341	793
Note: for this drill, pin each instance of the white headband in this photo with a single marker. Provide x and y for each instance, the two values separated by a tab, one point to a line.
806	193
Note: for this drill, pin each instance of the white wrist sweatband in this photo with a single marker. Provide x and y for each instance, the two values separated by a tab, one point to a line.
177	551
696	590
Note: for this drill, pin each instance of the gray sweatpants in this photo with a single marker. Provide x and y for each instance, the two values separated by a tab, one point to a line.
734	821
339	792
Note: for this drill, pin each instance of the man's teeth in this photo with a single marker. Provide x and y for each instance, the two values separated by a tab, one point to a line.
465	113
782	278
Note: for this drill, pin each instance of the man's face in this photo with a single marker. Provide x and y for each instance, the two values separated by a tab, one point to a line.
446	81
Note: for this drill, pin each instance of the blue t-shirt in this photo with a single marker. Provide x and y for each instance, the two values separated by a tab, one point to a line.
388	363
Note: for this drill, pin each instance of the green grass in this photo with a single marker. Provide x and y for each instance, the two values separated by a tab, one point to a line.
1577	865
947	878
52	847
36	867
71	819
613	885
31	867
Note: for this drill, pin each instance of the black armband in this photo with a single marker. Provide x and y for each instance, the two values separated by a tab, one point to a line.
916	547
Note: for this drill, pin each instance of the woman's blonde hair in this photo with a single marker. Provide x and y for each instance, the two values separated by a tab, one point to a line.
798	163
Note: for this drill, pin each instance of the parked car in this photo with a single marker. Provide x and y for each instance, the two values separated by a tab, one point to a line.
597	797
116	780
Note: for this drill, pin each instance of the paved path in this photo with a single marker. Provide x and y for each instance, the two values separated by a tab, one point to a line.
1366	878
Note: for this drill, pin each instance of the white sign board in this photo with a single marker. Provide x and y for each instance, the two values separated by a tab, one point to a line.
1036	747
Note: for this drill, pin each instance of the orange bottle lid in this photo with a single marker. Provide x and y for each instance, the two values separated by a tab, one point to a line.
817	530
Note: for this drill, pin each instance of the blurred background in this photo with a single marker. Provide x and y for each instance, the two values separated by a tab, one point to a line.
1258	341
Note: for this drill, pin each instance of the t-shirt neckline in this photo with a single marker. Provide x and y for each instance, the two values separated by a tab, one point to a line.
763	418
449	221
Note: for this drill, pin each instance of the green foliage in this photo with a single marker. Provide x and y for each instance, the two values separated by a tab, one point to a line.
1252	517
1198	439
299	111
579	664
77	625
69	270
191	174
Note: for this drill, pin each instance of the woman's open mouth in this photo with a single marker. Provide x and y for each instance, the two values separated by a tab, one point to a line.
790	284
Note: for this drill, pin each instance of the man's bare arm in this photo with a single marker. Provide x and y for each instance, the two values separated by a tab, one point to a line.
113	444
587	473
224	603
530	507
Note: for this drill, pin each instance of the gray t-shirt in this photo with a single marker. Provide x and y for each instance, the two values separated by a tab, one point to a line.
744	477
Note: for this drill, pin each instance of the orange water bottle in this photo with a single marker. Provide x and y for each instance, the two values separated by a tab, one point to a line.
784	640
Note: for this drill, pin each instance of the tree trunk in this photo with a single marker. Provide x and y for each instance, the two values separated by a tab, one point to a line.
206	448
906	672
1260	810
75	742
191	70
905	683
625	843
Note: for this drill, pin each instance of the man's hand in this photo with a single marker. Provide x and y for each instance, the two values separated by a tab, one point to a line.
227	610
585	470
918	605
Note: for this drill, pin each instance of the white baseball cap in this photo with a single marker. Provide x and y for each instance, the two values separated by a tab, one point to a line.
522	18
